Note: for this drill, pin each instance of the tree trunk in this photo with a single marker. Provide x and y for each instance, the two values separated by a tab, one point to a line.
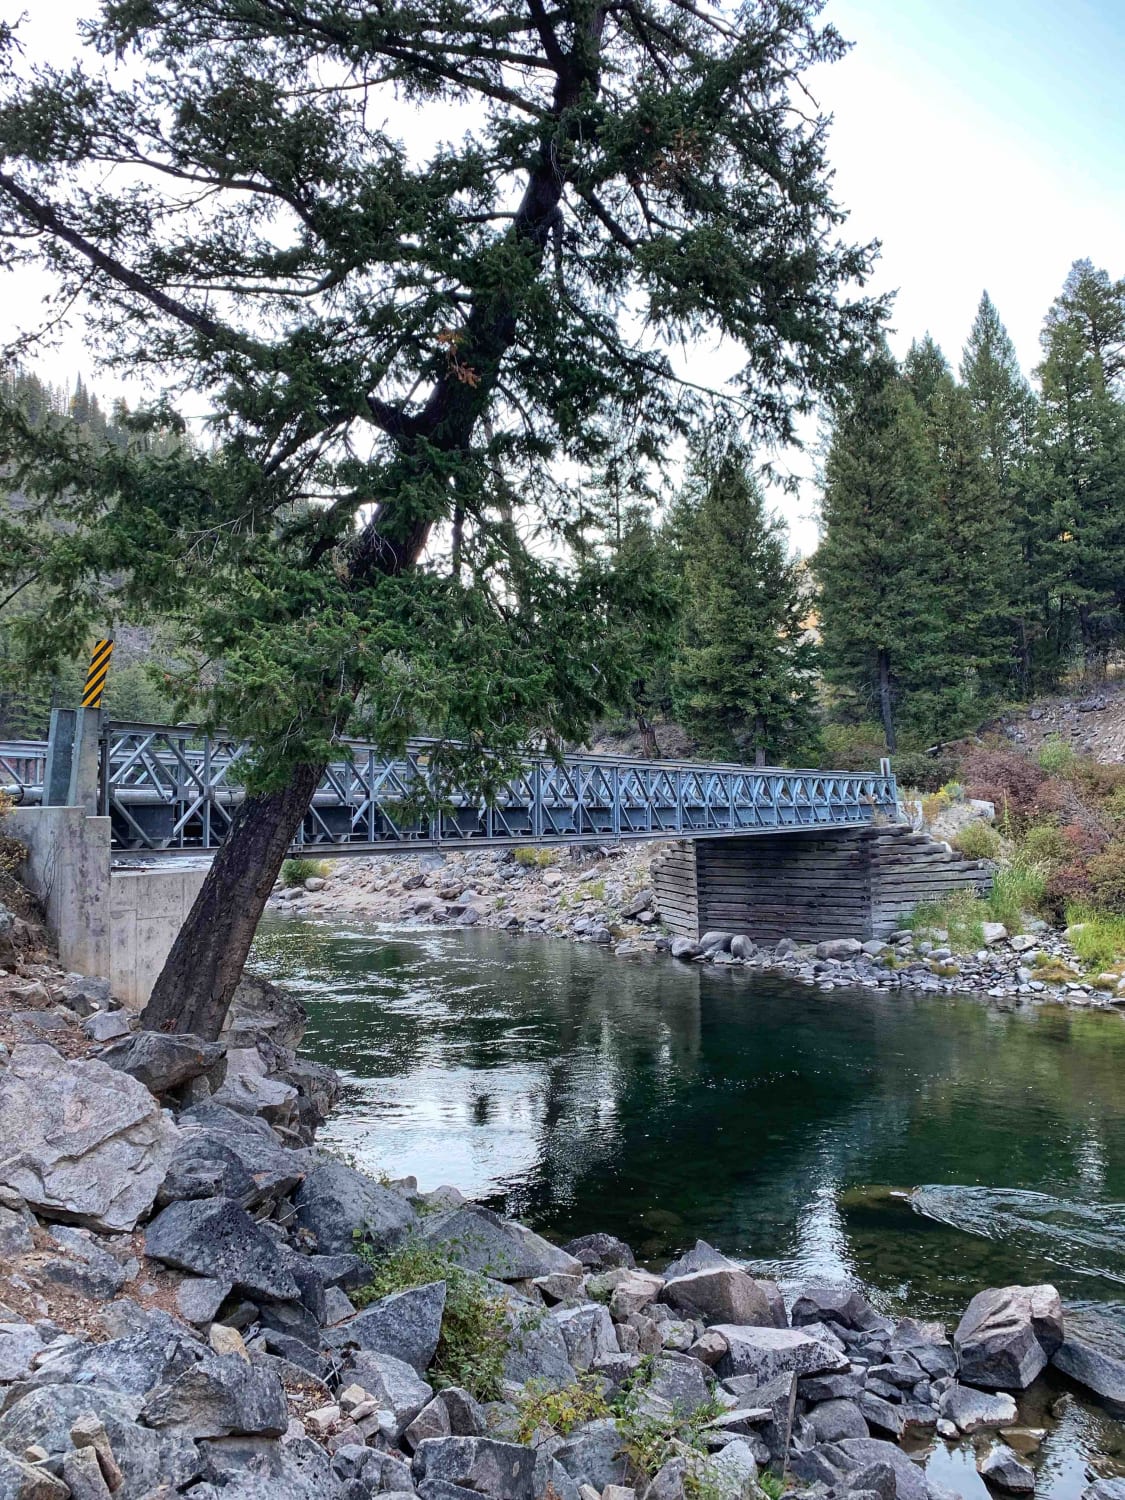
649	747
201	974
885	703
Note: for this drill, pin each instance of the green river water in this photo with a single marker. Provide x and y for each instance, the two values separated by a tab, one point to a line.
922	1147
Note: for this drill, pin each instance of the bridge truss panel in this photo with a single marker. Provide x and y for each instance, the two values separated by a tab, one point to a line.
173	789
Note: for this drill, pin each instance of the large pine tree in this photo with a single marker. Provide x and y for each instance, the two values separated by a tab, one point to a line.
876	559
742	678
1005	409
1081	457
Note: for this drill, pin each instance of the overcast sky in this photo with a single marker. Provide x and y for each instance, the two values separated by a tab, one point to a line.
982	141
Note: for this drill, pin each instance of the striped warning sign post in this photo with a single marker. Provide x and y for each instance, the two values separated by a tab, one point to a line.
96	676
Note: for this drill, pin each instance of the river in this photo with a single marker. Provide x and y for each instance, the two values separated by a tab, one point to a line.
921	1147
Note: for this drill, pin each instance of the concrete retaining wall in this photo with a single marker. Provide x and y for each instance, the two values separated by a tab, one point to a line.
147	909
119	924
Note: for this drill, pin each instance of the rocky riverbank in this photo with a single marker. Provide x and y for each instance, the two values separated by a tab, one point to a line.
195	1300
606	897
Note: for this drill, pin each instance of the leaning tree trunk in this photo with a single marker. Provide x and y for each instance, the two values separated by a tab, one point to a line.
199	978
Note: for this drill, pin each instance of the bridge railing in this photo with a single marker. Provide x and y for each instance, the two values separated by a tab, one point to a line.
174	789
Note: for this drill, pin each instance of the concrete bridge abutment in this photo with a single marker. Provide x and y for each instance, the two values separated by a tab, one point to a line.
810	884
114	923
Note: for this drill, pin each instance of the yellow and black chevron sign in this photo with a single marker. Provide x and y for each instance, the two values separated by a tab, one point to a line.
96	676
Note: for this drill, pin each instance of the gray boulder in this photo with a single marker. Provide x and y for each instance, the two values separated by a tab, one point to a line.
600	1251
777	1399
405	1324
854	1455
723	1295
467	1416
685	948
147	1458
247	1468
1007	1335
340	1205
536	1349
766	1352
835	1304
395	1385
677	1384
742	947
1105	1489
202	1167
86	1267
504	1471
839	948
345	1271
15	1234
133	1365
833	1420
480	1240
21	1481
163	1060
715	942
1093	1368
587	1331
594	1454
215	1237
701	1257
93	1144
732	1474
19	1344
975	1411
1001	1467
261	1010
275	1170
220	1397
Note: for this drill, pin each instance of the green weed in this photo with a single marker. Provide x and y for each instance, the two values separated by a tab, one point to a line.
978	840
297	871
960	914
560	1410
1100	939
535	859
474	1329
1056	757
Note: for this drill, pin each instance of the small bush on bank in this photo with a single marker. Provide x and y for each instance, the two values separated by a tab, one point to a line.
470	1351
560	1410
1004	778
1056	757
1097	937
1016	888
928	773
535	859
1107	878
297	871
1044	844
1114	808
978	840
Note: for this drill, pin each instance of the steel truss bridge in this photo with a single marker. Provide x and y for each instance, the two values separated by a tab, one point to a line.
174	790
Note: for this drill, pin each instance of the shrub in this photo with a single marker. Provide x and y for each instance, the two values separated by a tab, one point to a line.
1107	878
928	773
978	840
1044	844
1114	807
1100	782
851	747
474	1327
1068	885
535	859
560	1410
1100	939
1056	757
297	871
1003	777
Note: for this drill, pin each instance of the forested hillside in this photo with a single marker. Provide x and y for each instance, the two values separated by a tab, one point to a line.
26	698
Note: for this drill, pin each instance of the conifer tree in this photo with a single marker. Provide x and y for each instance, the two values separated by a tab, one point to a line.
397	342
742	677
876	557
1005	408
924	371
1081	453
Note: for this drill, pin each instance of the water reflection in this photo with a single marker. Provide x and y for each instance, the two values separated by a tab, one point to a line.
663	1102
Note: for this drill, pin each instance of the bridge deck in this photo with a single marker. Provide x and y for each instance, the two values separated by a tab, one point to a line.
172	790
